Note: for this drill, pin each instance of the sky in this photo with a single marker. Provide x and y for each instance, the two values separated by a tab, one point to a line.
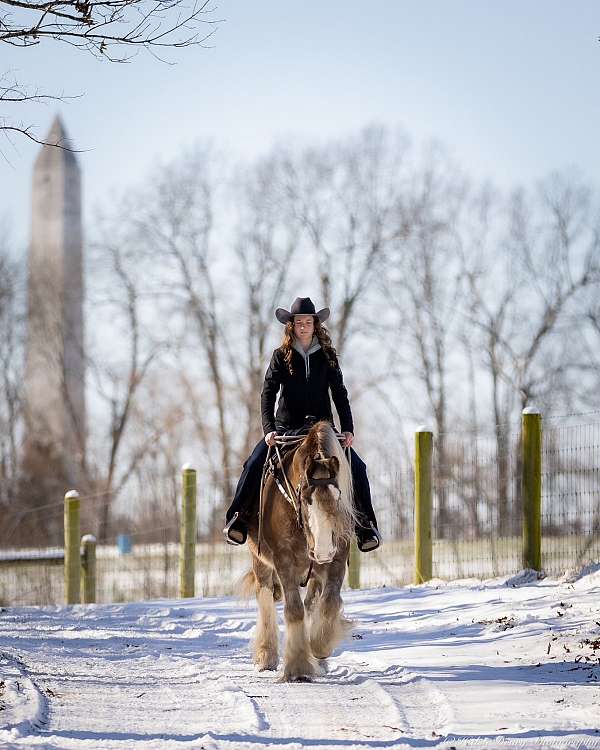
510	88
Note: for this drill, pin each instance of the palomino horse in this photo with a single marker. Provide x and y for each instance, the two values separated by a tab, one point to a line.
305	535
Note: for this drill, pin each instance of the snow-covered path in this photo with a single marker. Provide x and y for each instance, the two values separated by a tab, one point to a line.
466	664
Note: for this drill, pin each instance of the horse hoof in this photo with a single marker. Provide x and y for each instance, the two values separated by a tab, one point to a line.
323	666
294	678
266	664
266	667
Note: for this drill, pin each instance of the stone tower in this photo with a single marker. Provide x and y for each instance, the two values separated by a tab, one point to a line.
55	358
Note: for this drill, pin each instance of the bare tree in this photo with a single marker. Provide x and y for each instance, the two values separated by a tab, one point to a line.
559	254
114	30
177	224
345	197
126	350
423	285
266	238
21	521
525	288
589	338
11	378
491	287
157	478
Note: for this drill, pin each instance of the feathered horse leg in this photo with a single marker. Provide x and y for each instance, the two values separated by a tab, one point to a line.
266	641
328	627
298	662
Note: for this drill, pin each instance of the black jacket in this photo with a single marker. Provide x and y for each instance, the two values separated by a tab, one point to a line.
302	395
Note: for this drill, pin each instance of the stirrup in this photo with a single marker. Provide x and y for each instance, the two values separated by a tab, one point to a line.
235	531
368	539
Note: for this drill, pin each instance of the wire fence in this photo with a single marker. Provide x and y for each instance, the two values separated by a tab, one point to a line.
476	525
476	515
477	512
571	496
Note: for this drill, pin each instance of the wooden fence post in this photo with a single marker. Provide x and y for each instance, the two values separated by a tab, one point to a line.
187	534
354	566
423	495
88	569
531	488
72	552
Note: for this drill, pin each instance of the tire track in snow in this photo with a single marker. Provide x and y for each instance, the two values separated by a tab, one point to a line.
145	699
23	706
346	703
131	683
325	711
425	710
338	706
422	710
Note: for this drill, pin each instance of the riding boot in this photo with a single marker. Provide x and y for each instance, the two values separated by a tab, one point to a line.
367	535
243	505
236	530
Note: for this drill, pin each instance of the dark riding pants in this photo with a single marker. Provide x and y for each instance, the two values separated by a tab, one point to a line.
245	500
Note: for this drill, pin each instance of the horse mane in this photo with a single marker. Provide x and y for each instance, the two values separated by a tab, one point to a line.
321	442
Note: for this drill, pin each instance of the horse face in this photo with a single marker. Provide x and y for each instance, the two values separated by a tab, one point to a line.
320	525
320	505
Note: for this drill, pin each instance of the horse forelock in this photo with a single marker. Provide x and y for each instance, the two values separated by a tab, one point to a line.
321	444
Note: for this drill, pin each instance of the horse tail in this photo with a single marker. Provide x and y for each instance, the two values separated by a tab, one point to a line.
246	586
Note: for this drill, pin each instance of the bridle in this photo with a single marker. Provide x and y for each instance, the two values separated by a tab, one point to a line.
319	481
293	496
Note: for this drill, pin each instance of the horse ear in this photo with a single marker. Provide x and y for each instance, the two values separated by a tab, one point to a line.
334	466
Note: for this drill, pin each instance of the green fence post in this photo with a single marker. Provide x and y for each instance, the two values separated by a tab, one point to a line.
353	566
531	488
423	489
187	534
72	552
88	569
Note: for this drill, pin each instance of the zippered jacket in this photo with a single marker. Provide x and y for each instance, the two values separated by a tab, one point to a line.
304	393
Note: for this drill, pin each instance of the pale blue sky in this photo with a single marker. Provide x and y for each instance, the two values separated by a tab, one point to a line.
510	87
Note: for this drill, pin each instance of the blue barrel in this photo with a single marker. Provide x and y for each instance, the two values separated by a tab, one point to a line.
124	543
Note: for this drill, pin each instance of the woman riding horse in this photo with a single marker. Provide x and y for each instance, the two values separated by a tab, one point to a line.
305	368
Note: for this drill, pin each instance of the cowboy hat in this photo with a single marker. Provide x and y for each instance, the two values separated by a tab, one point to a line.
301	306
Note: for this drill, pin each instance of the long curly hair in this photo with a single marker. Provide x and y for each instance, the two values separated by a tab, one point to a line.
322	335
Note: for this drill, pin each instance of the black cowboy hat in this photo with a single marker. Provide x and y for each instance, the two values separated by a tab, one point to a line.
301	306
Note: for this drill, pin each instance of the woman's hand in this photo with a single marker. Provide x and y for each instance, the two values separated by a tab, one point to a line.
270	438
348	439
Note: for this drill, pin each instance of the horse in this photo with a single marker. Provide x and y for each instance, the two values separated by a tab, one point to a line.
303	538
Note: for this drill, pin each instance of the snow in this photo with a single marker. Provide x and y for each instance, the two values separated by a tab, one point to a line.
508	662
